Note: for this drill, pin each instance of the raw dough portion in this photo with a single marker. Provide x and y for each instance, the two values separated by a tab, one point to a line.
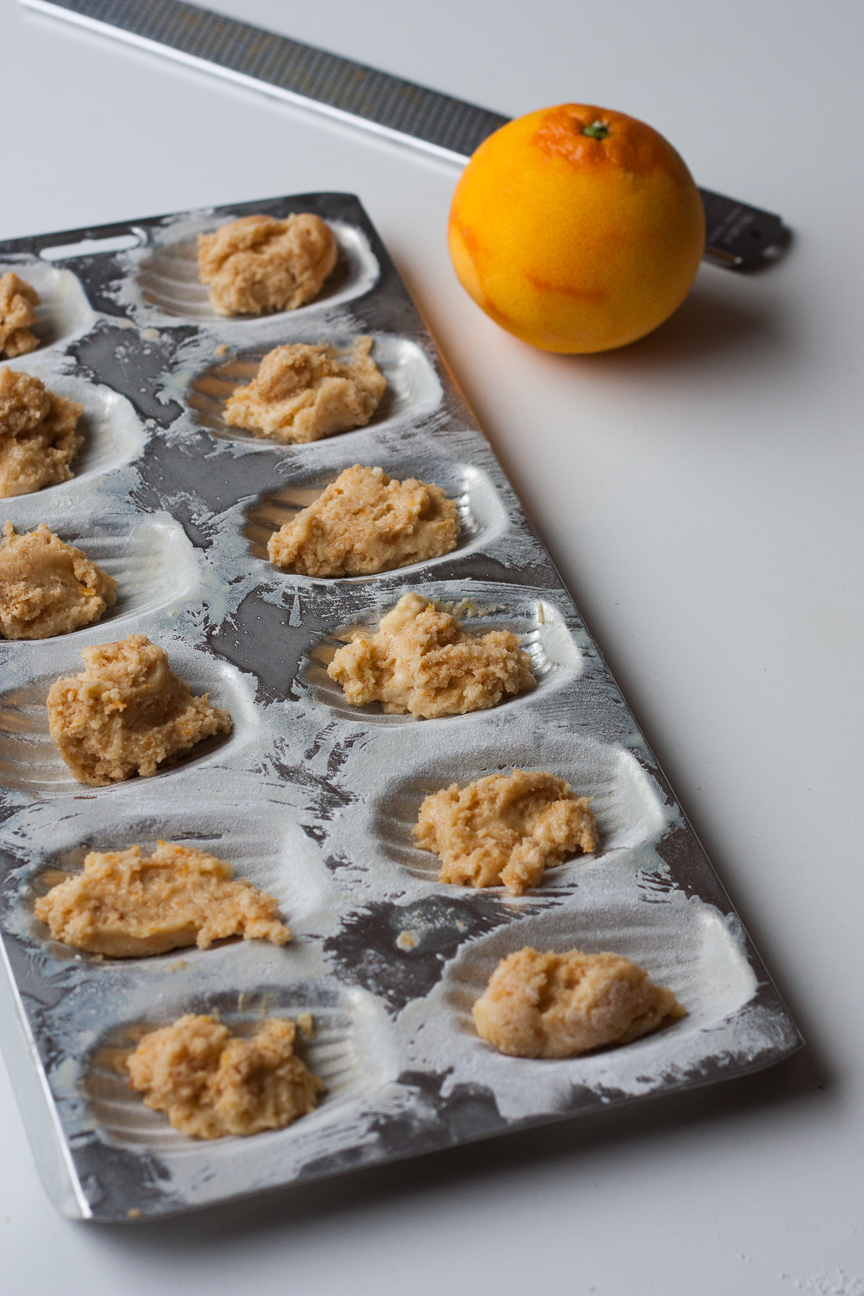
126	713
421	661
303	393
211	1085
128	905
37	435
505	828
366	522
48	587
17	299
560	1005
258	264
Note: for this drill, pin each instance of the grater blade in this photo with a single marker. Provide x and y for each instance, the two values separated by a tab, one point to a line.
738	236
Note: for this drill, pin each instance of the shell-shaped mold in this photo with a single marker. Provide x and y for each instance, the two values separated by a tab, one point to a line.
482	516
167	277
683	943
63	309
413	388
263	846
113	434
347	1051
555	655
149	556
624	799
31	763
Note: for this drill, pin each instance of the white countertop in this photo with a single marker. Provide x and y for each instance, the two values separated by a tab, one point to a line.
701	494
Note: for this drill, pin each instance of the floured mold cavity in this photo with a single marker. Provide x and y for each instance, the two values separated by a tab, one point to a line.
29	761
149	556
349	1050
167	274
544	635
113	434
413	388
482	516
624	799
684	944
63	311
262	846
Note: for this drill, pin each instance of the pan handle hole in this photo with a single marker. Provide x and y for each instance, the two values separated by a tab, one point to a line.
92	247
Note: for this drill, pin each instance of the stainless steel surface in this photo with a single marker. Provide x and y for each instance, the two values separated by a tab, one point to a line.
738	235
309	797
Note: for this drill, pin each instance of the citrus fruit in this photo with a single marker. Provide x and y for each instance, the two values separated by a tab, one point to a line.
577	228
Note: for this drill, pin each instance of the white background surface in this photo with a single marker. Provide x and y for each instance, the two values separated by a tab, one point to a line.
701	492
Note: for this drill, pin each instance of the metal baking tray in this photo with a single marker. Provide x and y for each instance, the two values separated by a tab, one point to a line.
310	798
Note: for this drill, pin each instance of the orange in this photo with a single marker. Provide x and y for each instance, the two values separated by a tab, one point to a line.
577	228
